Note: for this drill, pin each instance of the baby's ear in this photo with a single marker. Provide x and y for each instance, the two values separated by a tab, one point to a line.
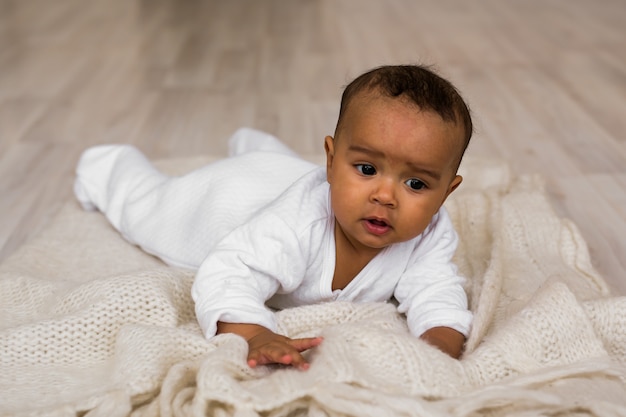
329	147
454	184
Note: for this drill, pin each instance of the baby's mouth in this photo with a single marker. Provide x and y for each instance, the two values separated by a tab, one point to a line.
380	223
377	226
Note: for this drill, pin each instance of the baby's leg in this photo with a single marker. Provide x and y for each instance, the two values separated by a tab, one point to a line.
105	173
179	219
119	181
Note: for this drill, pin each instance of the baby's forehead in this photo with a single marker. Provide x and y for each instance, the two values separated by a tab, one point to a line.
377	99
452	139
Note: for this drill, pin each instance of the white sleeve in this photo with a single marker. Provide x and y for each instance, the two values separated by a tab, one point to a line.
430	291
245	269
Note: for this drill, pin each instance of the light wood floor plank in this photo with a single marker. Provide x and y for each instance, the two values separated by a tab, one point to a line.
546	81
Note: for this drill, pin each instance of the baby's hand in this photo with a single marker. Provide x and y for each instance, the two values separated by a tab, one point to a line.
266	347
446	339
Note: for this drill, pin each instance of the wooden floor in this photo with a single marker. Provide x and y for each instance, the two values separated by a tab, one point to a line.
546	80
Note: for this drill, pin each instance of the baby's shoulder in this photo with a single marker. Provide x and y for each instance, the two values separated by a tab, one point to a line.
306	201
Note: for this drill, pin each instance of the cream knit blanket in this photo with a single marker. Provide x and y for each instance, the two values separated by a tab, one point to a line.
90	325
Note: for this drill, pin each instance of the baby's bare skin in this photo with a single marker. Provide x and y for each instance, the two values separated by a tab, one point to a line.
266	347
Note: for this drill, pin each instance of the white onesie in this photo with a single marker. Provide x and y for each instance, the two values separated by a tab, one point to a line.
261	236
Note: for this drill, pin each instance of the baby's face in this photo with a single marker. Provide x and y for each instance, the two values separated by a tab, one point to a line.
390	169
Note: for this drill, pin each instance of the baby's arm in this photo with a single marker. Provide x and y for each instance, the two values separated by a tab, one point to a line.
266	347
445	339
431	293
244	270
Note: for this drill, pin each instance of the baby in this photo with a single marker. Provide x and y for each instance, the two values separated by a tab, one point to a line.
265	228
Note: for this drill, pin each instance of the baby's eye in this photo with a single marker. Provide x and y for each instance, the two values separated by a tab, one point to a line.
366	169
415	184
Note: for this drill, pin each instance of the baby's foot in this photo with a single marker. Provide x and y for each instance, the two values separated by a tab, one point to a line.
80	191
93	173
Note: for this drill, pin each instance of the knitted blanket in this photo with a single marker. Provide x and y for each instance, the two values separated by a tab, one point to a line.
92	326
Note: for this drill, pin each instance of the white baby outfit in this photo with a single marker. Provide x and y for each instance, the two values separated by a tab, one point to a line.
259	226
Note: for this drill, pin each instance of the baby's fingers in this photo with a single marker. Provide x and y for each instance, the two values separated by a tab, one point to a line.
256	360
300	345
306	343
284	355
268	347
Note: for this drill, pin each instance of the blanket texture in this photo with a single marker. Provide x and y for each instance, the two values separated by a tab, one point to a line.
92	326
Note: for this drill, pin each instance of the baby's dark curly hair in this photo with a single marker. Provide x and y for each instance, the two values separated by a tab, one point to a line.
419	85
